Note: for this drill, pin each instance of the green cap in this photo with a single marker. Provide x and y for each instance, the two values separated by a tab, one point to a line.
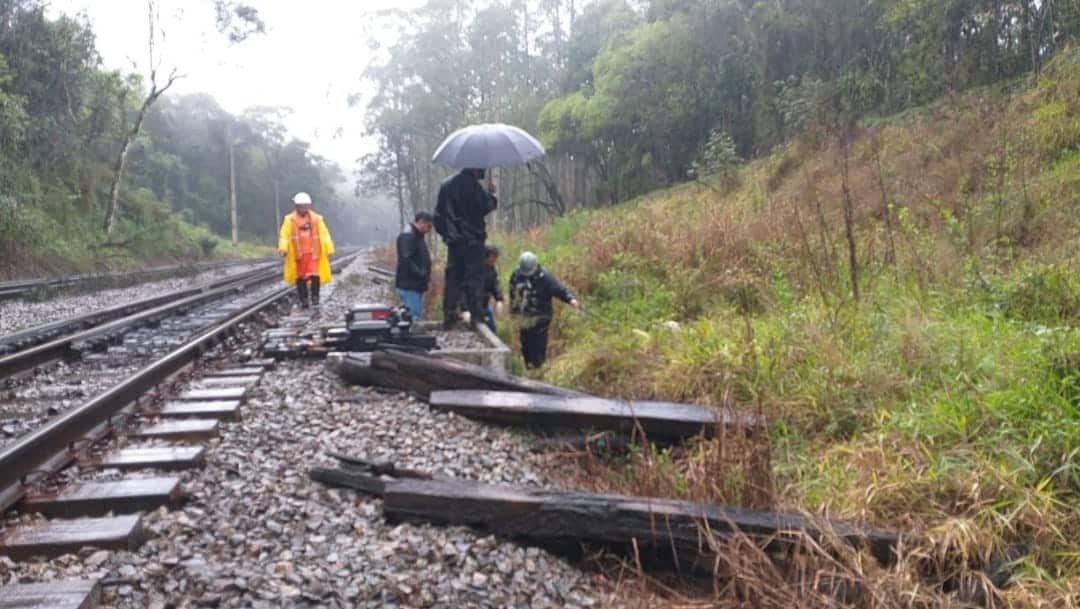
528	264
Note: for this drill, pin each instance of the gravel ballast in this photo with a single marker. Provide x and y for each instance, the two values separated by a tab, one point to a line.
258	533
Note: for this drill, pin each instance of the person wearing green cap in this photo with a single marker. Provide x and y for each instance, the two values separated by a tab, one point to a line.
532	290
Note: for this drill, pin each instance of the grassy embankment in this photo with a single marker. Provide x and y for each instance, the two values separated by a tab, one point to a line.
945	400
50	235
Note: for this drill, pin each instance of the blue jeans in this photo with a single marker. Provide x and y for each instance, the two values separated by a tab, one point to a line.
414	301
489	318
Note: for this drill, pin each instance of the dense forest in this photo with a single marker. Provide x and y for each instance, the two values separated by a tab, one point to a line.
630	96
65	121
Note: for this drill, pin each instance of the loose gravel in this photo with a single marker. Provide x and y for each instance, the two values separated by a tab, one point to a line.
257	533
19	314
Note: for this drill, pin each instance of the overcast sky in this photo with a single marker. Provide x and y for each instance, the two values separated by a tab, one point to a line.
310	59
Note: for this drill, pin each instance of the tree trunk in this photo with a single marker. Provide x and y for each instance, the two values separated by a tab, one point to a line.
400	189
849	221
540	169
121	158
121	164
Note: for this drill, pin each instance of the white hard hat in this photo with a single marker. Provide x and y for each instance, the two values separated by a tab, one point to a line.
302	198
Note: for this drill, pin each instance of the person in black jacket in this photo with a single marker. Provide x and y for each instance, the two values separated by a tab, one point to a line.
414	264
460	215
492	291
532	290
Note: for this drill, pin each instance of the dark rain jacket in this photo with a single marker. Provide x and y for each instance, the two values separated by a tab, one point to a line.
532	295
461	208
491	284
413	261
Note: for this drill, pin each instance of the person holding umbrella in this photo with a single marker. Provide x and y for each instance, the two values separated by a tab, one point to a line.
463	205
460	214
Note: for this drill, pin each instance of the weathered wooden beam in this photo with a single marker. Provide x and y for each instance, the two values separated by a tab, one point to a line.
660	420
422	375
367	483
658	526
366	476
378	468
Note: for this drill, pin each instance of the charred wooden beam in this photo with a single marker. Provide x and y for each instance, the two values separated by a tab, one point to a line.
367	483
363	475
660	420
421	375
678	529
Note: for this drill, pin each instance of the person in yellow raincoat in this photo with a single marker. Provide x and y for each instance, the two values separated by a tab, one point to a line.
304	242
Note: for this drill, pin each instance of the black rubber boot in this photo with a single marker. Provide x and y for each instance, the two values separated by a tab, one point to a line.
302	292
315	290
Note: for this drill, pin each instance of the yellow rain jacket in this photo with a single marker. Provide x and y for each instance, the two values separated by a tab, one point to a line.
287	243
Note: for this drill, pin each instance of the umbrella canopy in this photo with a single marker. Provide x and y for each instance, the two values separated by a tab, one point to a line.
486	146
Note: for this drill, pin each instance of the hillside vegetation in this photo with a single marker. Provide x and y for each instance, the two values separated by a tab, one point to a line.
938	393
64	119
632	96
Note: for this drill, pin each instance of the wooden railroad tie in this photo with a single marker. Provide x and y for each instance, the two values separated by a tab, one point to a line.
421	375
672	530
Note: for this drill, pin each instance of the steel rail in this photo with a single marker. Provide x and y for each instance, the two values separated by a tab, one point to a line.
18	287
48	447
49	350
36	335
55	349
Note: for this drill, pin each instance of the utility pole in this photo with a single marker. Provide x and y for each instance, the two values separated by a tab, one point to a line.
232	192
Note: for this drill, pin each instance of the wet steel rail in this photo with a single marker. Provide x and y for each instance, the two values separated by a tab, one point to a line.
36	346
21	287
36	335
54	445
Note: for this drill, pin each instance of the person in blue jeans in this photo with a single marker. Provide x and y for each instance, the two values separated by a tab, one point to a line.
493	296
414	264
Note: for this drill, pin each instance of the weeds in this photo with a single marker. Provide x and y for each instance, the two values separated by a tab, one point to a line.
946	401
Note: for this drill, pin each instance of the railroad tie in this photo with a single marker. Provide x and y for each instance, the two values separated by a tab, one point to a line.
224	410
166	458
92	499
238	371
182	430
216	394
225	382
54	538
74	594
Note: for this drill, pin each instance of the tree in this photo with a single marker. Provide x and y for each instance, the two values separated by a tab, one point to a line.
238	21
157	89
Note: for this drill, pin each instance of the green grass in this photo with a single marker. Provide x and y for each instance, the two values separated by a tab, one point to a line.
51	234
949	394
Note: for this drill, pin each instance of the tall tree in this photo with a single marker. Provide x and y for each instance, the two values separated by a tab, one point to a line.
157	89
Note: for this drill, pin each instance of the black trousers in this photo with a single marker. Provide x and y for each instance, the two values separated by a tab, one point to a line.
534	342
302	291
464	281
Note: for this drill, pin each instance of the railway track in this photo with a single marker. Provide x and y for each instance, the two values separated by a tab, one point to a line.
96	348
147	353
19	288
141	344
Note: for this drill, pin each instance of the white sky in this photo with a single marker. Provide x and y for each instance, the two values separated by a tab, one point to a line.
311	59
